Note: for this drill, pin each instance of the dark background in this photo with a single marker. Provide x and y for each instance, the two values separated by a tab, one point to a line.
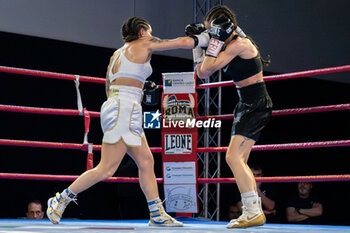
125	201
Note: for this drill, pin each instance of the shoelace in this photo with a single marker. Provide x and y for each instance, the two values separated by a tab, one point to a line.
64	202
160	205
163	213
75	200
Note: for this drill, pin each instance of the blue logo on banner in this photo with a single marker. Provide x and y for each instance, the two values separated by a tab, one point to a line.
151	120
168	83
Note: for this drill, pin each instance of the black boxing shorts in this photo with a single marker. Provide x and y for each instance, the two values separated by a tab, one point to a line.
252	112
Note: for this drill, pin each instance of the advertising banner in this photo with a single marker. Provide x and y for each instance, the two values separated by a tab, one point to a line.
179	142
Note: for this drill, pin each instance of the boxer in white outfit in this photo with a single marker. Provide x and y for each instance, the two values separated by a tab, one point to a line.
121	119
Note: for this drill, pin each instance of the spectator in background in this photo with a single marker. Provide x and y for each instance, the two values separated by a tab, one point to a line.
35	210
233	212
229	196
304	207
267	194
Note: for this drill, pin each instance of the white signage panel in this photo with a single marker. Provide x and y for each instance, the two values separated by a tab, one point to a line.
177	83
179	172
181	198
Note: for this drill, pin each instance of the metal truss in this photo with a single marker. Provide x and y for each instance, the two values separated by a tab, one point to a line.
209	103
201	7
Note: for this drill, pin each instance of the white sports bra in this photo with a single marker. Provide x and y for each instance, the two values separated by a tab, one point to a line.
130	69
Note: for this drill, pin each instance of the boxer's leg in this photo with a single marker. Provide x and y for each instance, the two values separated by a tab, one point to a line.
111	156
144	159
237	156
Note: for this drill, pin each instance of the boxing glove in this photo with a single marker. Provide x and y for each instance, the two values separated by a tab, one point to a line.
220	30
194	29
149	86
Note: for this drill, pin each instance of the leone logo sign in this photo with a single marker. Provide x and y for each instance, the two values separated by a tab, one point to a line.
178	143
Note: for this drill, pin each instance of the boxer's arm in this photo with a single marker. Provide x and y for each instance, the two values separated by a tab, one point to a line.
107	83
156	44
211	64
199	73
107	86
188	42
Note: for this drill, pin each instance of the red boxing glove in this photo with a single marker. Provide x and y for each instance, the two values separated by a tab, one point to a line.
214	47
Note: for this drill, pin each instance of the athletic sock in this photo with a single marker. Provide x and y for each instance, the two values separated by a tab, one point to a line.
250	198
67	193
152	204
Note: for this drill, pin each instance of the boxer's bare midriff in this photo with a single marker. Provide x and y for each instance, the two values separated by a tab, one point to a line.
125	81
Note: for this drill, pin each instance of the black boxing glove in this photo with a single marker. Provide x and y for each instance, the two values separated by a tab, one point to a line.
149	86
194	29
151	93
220	30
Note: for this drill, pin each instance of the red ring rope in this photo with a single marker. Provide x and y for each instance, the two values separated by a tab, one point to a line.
58	145
291	111
299	74
49	111
206	149
319	178
46	74
285	146
72	112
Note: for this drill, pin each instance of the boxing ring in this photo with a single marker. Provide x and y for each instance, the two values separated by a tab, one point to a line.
191	225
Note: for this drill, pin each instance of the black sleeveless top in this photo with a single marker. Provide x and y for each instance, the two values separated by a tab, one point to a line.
240	69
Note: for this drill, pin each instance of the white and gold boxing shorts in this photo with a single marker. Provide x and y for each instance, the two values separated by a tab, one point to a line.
121	116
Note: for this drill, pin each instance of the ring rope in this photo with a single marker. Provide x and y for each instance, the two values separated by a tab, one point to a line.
72	112
47	74
58	145
284	146
276	179
89	147
298	74
50	111
84	147
291	111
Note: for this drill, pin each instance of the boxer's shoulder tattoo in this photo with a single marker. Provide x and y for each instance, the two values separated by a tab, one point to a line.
157	40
